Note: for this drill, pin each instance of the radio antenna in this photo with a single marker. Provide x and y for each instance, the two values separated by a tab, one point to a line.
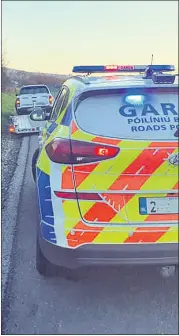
152	59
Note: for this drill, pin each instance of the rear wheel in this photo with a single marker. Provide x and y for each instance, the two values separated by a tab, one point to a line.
34	161
47	269
43	266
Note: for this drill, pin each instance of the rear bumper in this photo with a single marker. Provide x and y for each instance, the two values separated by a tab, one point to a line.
106	254
28	110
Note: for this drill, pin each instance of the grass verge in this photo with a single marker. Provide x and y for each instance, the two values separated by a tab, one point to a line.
7	106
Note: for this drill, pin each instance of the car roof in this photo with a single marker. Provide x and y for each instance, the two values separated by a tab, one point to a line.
24	86
116	81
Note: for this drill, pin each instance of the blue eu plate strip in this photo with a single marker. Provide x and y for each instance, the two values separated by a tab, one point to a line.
142	206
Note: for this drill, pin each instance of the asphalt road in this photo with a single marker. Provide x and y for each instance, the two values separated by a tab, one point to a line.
99	301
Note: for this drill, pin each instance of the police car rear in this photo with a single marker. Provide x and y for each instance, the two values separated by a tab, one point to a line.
120	166
133	181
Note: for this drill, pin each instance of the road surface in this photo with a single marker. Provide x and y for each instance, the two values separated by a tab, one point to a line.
100	301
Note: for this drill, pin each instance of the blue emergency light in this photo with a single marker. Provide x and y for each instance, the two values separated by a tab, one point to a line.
121	68
136	99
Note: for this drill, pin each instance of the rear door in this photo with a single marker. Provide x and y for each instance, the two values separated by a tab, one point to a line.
59	105
139	185
30	95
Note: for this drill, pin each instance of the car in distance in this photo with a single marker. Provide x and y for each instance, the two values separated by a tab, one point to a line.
31	96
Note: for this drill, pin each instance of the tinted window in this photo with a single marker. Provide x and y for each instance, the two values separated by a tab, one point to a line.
59	102
65	102
34	90
149	114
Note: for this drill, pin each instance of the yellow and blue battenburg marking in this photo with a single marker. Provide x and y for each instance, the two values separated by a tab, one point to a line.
99	202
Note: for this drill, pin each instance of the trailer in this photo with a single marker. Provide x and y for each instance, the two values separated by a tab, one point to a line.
23	124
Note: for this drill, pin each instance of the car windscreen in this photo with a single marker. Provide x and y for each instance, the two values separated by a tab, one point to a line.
33	90
141	114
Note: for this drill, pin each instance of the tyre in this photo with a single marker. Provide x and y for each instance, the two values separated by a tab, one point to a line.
34	161
44	267
47	269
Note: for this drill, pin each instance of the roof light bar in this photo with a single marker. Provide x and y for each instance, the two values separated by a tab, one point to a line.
135	99
160	78
121	68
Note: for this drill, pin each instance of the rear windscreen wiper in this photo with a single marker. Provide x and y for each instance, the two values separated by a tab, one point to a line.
176	134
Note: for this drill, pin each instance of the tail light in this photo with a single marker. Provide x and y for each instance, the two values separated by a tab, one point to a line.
17	102
50	99
78	152
11	129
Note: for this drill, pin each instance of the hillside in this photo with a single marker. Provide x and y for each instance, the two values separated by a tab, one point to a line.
17	78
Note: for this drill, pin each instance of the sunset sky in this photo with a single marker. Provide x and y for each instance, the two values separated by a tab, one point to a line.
52	36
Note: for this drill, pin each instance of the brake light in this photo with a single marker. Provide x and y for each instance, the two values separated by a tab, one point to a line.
17	102
78	152
50	99
105	151
11	129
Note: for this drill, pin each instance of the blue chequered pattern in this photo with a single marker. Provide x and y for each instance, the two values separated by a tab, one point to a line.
45	205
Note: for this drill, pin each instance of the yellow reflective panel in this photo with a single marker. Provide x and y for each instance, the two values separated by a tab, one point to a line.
44	162
171	236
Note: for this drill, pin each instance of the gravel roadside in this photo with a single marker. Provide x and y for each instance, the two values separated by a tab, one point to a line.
14	157
10	146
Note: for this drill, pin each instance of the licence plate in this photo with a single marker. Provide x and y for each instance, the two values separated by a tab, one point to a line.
158	205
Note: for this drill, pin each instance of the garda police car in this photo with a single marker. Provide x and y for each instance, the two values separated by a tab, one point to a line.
106	170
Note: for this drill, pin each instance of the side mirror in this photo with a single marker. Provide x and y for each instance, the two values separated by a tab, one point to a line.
38	115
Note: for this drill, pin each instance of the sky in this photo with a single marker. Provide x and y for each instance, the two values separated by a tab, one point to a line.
53	36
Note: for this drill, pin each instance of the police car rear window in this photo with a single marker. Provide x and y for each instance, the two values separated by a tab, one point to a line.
142	114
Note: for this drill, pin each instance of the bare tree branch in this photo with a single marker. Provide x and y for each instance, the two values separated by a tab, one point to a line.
5	81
